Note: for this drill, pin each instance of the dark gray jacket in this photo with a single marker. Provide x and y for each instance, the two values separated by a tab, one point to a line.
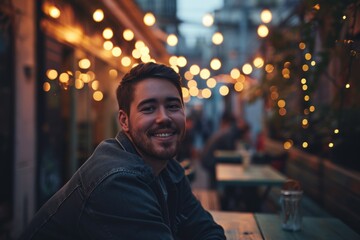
114	195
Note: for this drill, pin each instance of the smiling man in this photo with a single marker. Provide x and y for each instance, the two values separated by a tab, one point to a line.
131	187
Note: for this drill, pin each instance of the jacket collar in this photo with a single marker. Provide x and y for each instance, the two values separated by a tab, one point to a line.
125	143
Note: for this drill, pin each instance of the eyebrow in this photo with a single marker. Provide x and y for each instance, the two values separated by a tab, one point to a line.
154	100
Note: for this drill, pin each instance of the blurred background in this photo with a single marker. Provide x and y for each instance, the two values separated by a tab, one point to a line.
288	68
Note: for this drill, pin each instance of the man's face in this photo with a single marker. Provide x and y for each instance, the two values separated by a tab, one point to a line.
156	123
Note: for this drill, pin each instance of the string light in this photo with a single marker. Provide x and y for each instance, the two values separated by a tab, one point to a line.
266	16
116	51
95	85
173	60
281	103
149	19
185	92
136	53
282	111
239	86
126	61
181	61
108	33
108	45
79	84
98	15
192	83
224	90
64	77
128	35
139	44
211	83
235	73
262	30
206	93
208	20
194	69
84	63
204	73
194	91
188	75
258	62
46	87
247	68
217	38
172	40
113	73
98	96
215	64
288	144
51	74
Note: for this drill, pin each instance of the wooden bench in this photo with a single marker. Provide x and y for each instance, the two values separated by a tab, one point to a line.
209	199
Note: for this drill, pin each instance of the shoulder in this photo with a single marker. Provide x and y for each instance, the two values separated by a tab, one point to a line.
110	159
126	197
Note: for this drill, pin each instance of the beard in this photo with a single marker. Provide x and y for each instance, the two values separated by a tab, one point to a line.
149	148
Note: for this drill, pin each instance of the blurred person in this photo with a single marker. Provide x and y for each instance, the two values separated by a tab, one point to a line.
187	149
131	187
233	134
230	132
277	159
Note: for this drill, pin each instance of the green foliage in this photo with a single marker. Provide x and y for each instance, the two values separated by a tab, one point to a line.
335	47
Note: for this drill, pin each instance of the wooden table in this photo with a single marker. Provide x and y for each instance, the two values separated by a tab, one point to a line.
313	228
227	156
267	226
256	175
237	225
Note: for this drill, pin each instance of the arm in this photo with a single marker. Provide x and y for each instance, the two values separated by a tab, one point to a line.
123	207
198	223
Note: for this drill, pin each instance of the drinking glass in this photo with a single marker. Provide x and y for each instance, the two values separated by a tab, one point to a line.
291	216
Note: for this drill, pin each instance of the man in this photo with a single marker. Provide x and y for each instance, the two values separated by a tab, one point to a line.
223	139
233	132
131	187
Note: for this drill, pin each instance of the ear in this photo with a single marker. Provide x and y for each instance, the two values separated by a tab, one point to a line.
123	121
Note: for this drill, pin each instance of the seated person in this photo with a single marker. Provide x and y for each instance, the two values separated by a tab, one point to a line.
131	187
225	138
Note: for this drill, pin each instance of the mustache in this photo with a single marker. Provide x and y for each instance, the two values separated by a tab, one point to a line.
164	126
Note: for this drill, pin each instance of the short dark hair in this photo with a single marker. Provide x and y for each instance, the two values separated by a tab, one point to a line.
125	90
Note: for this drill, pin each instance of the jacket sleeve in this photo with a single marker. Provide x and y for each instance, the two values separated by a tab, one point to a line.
197	223
123	207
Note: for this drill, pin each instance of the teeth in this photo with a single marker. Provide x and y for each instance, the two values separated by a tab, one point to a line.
163	135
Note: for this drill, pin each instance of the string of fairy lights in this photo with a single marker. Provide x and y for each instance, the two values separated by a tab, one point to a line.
84	74
236	78
142	53
309	63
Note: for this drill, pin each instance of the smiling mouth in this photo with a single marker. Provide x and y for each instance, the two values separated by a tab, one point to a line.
163	135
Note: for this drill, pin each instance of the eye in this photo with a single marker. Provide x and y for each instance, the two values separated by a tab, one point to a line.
174	107
148	109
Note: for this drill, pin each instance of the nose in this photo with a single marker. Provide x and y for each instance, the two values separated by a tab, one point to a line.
162	115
